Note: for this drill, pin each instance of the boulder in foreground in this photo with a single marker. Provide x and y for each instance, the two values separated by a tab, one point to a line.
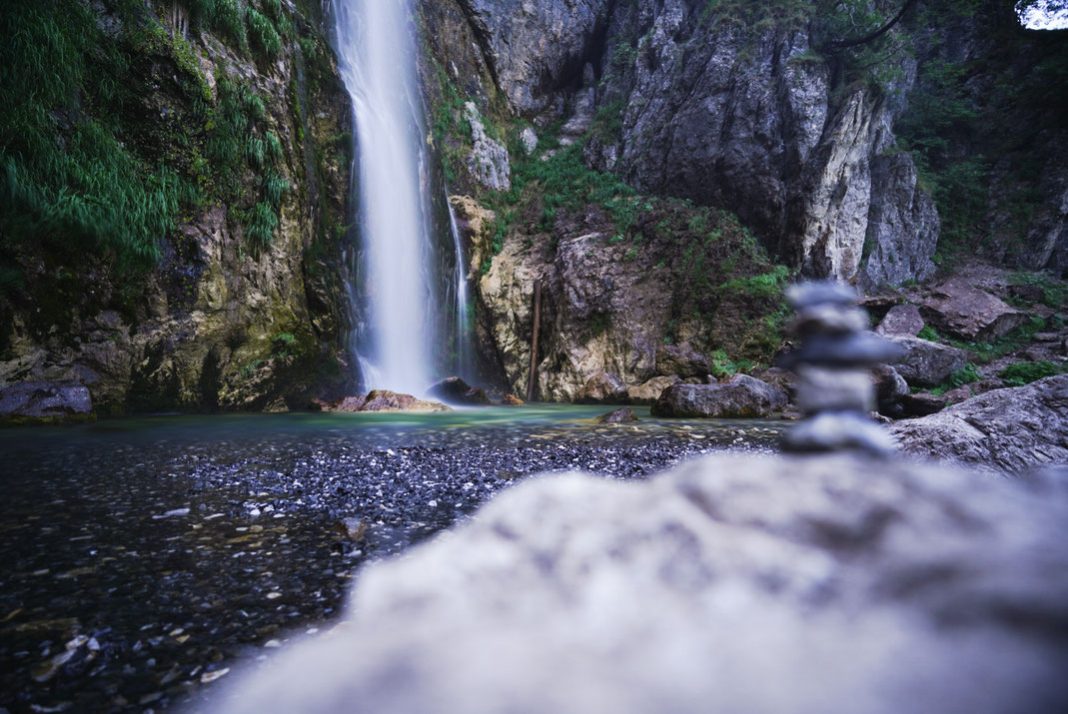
742	397
732	584
926	363
1004	429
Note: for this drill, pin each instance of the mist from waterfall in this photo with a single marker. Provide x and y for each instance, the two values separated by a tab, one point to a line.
377	59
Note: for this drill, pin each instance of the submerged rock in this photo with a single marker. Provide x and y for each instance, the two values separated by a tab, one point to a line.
457	391
619	416
743	397
1009	429
734	583
45	401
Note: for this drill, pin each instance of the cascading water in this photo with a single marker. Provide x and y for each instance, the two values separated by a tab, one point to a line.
464	338
376	56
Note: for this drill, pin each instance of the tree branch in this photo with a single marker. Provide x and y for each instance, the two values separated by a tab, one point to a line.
835	45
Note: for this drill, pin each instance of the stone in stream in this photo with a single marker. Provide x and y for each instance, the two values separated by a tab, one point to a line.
383	400
457	391
742	397
734	583
625	415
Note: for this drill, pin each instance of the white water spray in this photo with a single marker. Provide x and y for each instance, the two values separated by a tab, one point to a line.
376	56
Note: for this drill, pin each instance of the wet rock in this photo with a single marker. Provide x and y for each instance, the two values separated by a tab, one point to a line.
488	161
1007	429
353	529
957	308
457	391
625	415
849	584
901	320
742	397
44	400
383	400
682	360
649	391
926	363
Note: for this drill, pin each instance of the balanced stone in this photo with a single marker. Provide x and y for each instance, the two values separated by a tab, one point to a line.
839	431
827	318
819	390
845	350
803	295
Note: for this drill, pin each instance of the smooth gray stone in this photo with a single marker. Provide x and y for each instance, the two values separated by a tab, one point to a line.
819	292
828	318
839	431
850	350
818	389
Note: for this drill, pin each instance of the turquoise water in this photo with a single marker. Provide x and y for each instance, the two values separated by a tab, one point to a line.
143	557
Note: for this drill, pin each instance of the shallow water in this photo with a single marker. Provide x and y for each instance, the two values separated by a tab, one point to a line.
143	558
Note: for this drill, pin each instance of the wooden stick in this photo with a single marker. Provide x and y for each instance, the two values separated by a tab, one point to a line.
534	341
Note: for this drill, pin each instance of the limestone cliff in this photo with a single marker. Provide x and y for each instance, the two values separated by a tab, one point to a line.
780	113
234	114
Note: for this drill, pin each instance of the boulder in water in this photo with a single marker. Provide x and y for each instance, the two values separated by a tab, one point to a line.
624	415
383	400
456	391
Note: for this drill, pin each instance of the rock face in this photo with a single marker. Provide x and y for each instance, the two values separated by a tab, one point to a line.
44	400
682	360
488	161
926	363
220	322
903	225
734	584
960	309
533	48
743	397
649	392
603	388
1009	429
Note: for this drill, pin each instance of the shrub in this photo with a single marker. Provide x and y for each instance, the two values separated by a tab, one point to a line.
1021	373
265	39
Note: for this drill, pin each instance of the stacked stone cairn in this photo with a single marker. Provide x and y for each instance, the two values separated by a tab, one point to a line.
833	363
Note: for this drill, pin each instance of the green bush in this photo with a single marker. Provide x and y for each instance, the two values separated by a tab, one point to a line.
261	224
1021	373
265	38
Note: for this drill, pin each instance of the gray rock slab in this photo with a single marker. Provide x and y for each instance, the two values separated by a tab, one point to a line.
1007	429
731	584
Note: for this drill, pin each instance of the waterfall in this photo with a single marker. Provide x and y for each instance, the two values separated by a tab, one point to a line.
462	321
396	294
